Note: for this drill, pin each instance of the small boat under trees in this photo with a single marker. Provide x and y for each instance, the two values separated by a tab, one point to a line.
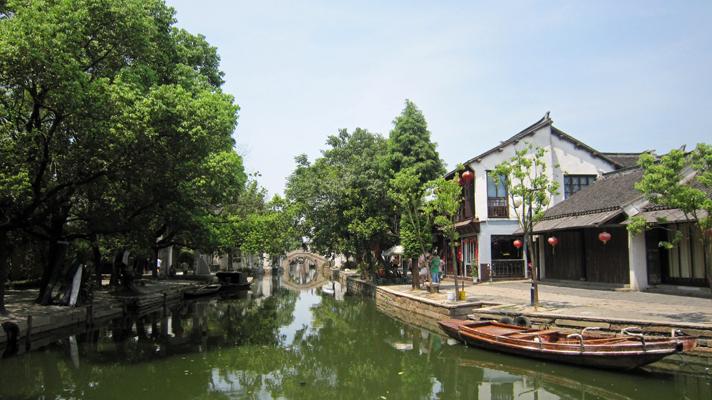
623	352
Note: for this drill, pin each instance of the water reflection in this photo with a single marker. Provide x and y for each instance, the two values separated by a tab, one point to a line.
301	345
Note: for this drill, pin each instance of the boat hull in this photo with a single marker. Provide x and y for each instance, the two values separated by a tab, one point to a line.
621	353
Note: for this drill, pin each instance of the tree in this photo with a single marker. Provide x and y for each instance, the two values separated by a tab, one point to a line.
409	145
529	189
444	205
415	229
340	198
681	181
413	159
92	91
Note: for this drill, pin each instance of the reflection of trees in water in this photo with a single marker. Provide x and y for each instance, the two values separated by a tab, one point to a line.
154	356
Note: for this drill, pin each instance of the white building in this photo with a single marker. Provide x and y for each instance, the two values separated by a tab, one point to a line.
487	221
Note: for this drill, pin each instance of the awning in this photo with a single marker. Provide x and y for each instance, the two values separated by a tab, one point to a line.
575	221
395	250
667	216
468	226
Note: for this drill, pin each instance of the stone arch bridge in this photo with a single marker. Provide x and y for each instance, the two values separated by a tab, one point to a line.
304	270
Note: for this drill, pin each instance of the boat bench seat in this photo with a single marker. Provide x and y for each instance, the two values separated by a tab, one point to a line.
526	335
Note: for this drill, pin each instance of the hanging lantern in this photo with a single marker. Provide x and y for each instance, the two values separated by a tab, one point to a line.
517	243
553	241
467	177
604	237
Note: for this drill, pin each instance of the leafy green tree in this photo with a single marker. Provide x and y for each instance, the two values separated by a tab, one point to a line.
446	198
93	91
529	189
682	181
340	198
415	229
410	146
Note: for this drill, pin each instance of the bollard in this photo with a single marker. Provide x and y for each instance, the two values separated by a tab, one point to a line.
28	334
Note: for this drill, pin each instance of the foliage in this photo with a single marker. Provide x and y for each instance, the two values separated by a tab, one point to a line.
409	145
527	182
339	199
681	181
114	127
445	200
408	193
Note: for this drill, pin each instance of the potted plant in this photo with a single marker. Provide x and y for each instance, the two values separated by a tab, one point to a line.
475	274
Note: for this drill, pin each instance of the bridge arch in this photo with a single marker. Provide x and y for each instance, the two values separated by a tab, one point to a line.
303	270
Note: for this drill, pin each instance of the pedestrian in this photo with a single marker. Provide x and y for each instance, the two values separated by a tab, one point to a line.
435	268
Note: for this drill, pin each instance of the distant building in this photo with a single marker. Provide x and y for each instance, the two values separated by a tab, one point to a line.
487	223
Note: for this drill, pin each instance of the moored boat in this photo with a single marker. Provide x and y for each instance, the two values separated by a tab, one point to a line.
626	351
233	280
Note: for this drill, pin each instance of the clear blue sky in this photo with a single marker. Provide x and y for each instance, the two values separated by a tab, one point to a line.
620	76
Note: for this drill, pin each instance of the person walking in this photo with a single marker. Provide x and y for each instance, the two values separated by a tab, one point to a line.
435	268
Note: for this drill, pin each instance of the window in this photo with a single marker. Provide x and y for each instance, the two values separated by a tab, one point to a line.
496	198
574	183
496	189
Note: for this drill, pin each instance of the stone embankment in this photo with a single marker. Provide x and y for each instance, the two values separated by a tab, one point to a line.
42	324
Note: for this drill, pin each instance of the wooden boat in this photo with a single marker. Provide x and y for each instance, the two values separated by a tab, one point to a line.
626	351
201	291
233	281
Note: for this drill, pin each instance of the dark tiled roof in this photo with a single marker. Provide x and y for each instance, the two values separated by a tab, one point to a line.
609	192
624	159
544	121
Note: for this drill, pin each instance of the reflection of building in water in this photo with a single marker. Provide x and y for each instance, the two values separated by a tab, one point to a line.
502	391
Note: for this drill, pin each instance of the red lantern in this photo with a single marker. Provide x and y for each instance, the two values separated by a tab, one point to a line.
553	241
517	243
604	237
467	176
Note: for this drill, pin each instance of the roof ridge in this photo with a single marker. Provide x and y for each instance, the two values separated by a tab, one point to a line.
542	122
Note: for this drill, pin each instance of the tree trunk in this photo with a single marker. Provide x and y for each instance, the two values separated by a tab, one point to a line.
454	264
116	269
415	271
707	251
57	249
154	266
96	255
4	255
53	270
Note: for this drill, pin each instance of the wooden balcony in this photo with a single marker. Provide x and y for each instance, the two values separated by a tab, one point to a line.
497	207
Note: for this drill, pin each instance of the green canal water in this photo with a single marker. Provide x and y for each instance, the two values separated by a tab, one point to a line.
302	344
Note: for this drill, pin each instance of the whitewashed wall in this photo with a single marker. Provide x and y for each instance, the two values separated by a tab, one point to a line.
562	158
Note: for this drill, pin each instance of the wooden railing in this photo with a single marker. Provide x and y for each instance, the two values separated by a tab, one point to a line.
497	207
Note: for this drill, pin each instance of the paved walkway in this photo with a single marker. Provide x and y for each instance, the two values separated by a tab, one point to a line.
593	303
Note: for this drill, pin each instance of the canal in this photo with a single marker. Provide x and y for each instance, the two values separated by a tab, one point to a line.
287	343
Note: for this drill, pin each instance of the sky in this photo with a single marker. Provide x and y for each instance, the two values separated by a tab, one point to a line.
621	76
